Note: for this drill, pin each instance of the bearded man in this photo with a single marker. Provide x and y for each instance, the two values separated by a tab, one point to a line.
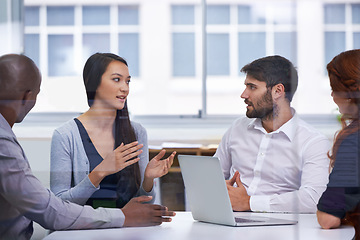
273	160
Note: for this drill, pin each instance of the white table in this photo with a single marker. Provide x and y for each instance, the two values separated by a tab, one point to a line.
183	227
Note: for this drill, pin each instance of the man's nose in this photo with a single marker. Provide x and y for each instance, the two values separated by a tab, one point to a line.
244	95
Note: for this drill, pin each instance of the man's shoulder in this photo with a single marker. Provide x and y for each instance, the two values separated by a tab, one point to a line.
5	129
9	145
238	127
4	133
304	128
242	121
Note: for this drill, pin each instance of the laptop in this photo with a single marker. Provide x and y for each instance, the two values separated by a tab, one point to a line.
208	197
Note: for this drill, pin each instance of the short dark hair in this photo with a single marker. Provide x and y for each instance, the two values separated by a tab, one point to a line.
274	70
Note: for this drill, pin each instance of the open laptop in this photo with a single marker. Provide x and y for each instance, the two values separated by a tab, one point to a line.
207	194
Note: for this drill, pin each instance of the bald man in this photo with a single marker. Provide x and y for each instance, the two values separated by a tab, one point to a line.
23	199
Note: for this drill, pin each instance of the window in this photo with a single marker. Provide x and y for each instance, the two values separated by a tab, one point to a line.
267	29
252	45
32	16
262	29
183	14
183	54
60	16
60	52
218	53
95	42
342	28
61	38
163	44
218	14
95	15
183	41
33	52
128	15
129	49
238	34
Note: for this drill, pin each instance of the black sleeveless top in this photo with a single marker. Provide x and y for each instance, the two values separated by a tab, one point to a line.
114	189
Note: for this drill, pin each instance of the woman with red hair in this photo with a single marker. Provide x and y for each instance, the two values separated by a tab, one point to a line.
340	203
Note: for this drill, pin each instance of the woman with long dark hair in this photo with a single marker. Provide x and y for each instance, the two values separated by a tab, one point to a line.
101	157
340	203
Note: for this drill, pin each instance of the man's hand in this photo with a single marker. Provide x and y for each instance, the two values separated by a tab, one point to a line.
240	200
140	214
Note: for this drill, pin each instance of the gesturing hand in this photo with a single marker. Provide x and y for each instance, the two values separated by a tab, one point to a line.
240	200
158	167
139	214
116	161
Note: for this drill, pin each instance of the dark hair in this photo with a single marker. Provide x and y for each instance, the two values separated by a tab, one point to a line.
344	75
274	70
94	68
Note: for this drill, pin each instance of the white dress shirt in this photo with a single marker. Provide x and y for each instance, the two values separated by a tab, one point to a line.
283	171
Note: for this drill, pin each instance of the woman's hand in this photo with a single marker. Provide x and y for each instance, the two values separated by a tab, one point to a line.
156	168
116	161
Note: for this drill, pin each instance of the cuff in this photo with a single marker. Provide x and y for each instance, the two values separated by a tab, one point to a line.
142	192
89	184
260	203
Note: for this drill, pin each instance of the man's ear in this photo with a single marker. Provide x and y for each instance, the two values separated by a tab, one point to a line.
26	96
278	91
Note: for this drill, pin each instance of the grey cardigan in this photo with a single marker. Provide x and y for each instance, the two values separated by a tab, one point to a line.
69	165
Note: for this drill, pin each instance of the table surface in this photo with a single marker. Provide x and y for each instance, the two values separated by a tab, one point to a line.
183	227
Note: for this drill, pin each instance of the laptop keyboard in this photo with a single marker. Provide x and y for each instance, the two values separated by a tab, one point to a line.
245	220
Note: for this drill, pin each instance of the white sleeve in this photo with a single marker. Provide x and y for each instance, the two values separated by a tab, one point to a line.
314	178
224	155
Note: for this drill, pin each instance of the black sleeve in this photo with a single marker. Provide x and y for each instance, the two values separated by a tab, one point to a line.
343	190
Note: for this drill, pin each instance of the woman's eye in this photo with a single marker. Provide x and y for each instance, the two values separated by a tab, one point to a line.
128	81
116	79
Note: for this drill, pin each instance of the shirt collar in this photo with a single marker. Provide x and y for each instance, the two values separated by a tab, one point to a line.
288	128
4	124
